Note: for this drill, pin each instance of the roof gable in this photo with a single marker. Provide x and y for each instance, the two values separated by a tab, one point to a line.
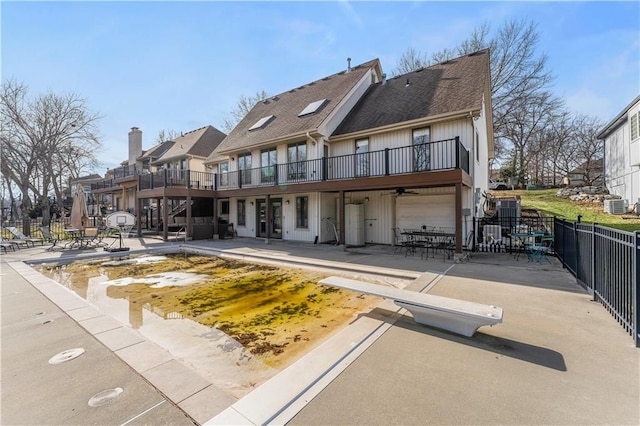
454	85
199	143
286	108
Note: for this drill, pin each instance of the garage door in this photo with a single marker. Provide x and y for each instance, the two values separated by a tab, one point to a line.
412	212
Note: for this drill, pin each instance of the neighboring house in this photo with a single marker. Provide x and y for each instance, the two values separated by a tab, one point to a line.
92	201
363	152
622	154
166	160
589	173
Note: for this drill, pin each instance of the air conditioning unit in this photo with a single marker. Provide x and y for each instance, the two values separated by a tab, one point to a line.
508	212
615	206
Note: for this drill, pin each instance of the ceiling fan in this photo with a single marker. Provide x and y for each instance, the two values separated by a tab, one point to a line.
400	191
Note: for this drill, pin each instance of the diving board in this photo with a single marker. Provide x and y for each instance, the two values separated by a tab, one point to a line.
458	316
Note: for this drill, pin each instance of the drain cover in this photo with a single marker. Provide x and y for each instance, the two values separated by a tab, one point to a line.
66	356
105	397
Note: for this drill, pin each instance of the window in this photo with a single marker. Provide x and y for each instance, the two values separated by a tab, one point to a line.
261	123
421	150
242	213
297	157
635	131
224	174
312	107
224	207
362	157
268	159
302	212
244	166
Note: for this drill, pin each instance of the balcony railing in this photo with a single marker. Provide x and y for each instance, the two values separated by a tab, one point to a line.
433	156
103	184
176	178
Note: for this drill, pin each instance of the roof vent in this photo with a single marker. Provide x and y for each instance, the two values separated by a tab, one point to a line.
407	85
384	78
348	64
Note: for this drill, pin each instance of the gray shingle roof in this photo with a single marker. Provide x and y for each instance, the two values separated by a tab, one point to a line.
200	143
156	151
286	106
455	85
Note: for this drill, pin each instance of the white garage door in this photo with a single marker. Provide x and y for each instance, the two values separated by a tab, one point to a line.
412	212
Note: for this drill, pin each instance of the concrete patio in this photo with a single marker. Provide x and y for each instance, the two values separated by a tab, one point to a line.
558	357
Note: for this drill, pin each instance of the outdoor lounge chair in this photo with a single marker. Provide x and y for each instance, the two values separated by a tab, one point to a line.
49	236
18	235
5	246
15	242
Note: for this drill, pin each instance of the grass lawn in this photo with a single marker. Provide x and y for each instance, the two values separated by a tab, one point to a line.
546	201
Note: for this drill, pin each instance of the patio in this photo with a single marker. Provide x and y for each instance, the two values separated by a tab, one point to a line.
557	358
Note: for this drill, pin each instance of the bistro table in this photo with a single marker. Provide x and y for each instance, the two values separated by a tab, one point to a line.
434	239
75	235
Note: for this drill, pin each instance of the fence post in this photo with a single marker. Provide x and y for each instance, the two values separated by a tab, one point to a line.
592	284
635	290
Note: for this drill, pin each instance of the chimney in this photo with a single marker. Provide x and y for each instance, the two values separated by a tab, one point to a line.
348	64
135	145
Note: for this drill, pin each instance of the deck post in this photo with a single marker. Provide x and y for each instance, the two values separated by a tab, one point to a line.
458	229
343	245
189	225
165	219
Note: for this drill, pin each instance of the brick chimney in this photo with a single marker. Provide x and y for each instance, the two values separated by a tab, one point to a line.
135	145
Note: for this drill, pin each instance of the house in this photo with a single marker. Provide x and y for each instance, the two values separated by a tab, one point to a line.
589	173
621	139
168	158
85	182
353	155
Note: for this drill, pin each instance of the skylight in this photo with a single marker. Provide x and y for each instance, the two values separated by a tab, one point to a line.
261	123
312	107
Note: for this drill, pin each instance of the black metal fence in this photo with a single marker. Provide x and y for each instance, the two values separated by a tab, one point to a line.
495	233
606	262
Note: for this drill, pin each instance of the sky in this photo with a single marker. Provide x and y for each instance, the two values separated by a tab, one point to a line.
183	65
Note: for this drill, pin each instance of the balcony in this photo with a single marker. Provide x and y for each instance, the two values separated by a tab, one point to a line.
442	155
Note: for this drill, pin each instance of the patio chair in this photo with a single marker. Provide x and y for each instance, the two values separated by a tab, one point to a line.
89	237
398	240
18	235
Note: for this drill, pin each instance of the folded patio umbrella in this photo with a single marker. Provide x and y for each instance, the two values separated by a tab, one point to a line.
79	211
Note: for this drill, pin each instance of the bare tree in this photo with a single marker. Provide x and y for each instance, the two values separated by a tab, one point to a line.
410	60
45	140
166	135
517	70
589	150
528	117
244	105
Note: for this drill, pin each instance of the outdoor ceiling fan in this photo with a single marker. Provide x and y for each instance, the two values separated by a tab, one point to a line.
400	191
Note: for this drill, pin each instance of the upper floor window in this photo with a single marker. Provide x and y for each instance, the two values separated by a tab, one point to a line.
268	160
224	174
297	157
244	166
421	149
362	157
